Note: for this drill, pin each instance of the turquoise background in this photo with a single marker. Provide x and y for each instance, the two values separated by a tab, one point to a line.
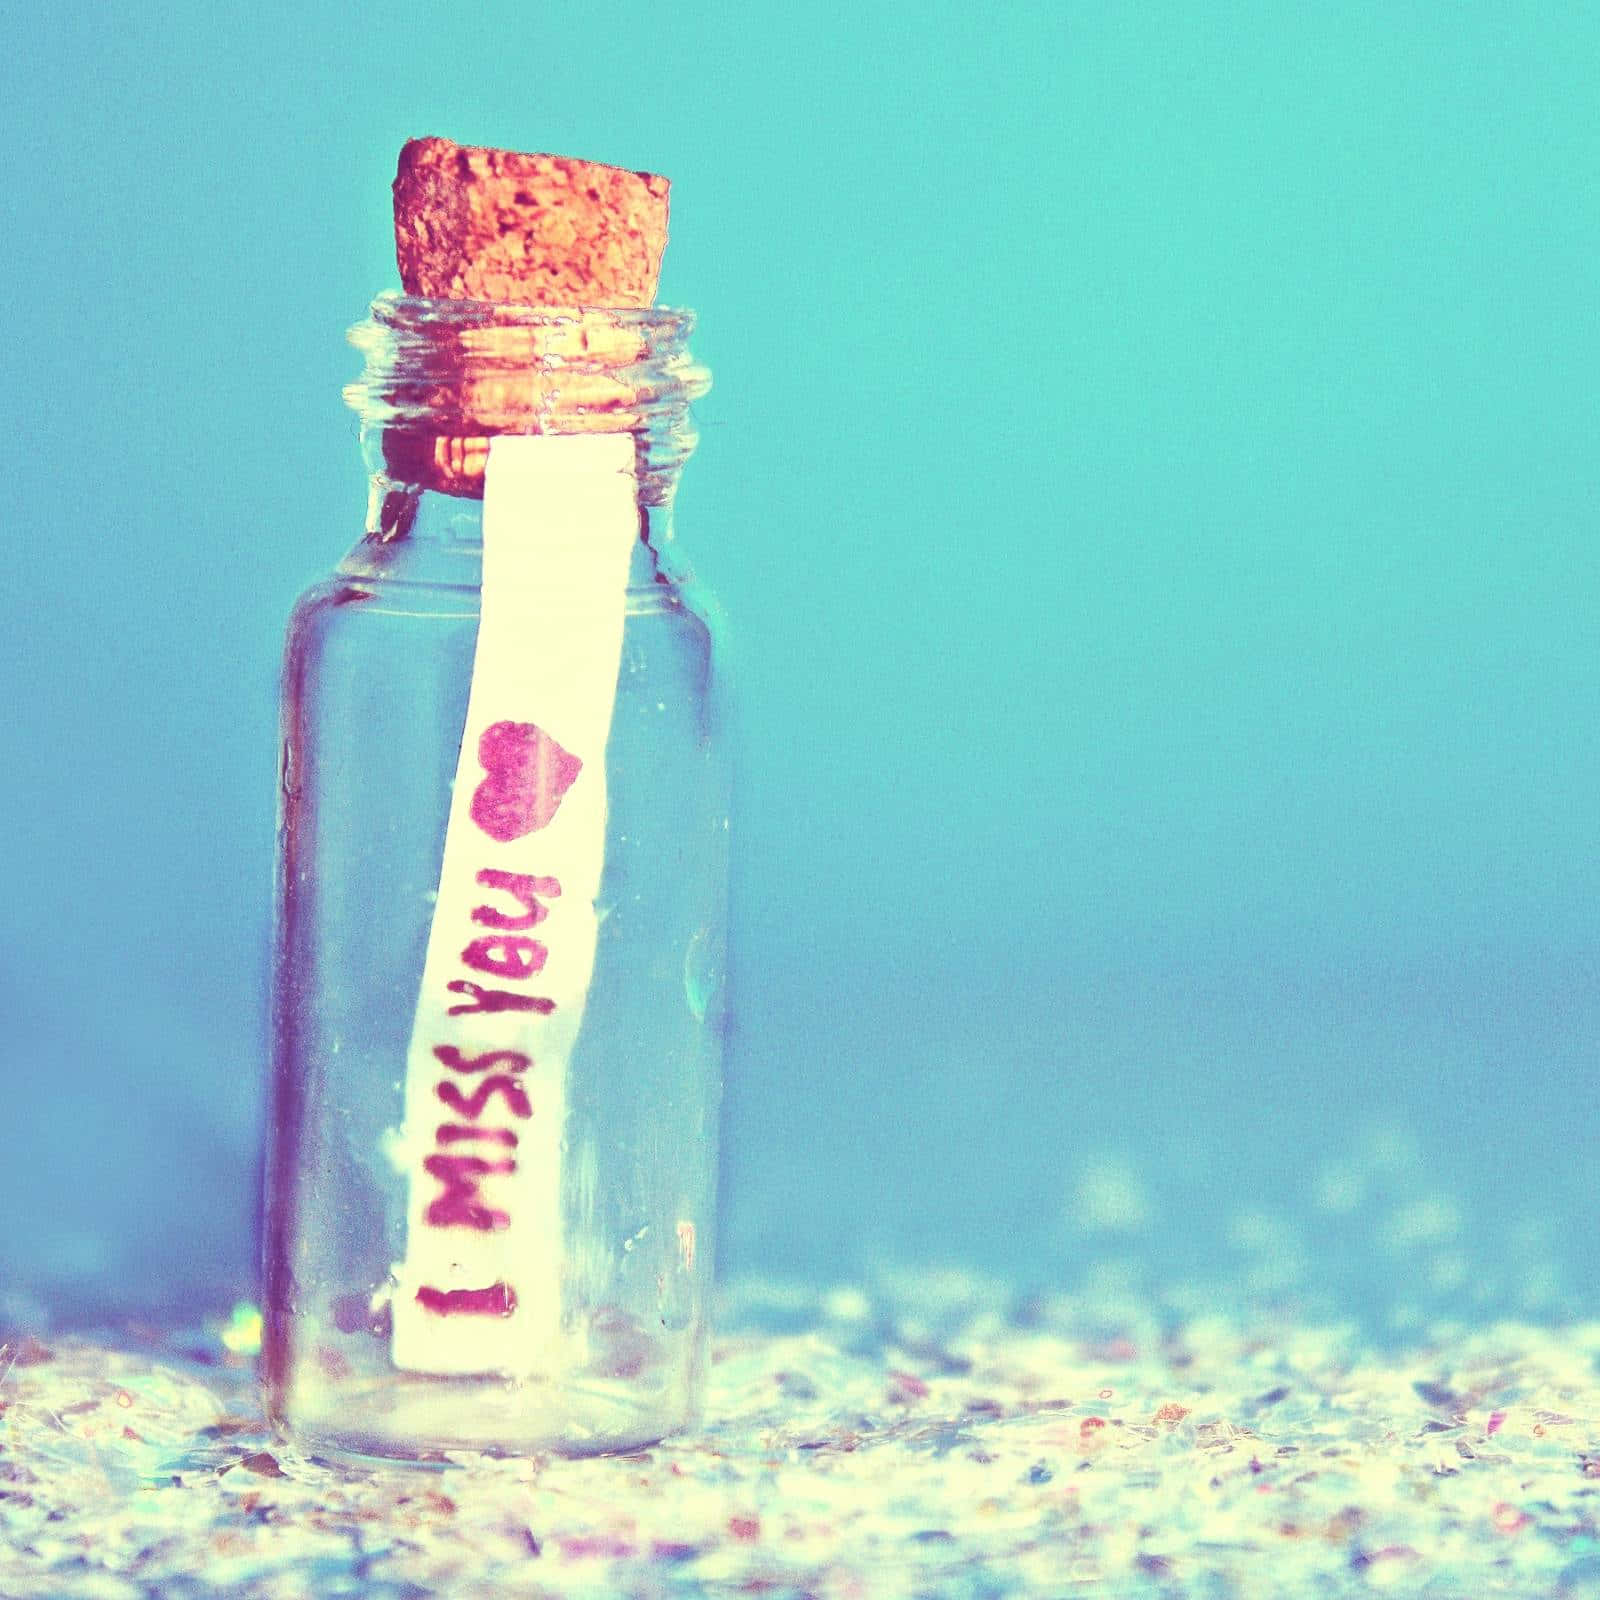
1152	476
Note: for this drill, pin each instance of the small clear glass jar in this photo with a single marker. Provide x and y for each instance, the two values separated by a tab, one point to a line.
378	668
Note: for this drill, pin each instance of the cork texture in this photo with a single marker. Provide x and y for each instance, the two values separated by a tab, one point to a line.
483	224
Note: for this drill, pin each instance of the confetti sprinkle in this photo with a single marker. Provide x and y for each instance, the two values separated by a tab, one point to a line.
857	1448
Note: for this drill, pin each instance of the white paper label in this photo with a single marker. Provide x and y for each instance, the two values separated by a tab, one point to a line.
512	944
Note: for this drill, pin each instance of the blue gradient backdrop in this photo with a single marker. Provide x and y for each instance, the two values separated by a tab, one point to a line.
1152	473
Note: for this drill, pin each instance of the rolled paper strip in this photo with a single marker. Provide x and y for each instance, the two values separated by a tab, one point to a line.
445	465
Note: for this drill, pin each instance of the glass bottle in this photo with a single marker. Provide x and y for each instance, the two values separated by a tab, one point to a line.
379	665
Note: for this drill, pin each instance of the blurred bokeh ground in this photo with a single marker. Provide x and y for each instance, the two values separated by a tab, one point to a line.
938	1436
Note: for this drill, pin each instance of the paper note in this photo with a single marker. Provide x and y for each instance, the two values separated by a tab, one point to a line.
512	943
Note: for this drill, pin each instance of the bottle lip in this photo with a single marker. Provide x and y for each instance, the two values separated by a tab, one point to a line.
392	307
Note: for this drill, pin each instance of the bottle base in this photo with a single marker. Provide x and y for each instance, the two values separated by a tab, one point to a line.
434	1421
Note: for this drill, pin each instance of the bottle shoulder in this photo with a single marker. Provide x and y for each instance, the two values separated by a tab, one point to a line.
342	598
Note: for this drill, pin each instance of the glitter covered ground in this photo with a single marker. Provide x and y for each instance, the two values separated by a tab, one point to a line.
855	1448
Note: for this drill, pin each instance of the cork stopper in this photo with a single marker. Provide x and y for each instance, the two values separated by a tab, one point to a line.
479	224
536	230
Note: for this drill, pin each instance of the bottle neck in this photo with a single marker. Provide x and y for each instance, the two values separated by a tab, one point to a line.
421	535
444	377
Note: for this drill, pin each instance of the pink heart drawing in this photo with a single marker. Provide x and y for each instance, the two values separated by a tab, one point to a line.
527	774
